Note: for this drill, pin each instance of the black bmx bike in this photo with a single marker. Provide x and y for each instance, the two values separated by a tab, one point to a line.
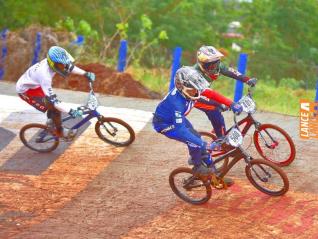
262	174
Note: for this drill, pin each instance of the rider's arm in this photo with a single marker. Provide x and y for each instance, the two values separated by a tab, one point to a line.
78	71
89	75
52	98
232	73
215	96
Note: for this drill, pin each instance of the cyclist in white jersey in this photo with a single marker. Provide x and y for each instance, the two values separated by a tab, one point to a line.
35	86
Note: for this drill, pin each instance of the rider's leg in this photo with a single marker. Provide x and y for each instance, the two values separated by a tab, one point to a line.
217	121
35	98
56	116
196	146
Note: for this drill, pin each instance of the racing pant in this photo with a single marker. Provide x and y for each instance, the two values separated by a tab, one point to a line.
214	115
37	99
185	134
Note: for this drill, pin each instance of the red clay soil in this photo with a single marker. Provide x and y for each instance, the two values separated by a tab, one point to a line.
108	81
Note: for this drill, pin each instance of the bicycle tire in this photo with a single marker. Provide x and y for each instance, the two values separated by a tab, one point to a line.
27	144
208	189
277	169
256	138
110	120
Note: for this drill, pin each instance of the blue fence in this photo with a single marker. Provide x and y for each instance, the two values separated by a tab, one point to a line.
122	54
316	99
176	61
241	67
4	51
37	48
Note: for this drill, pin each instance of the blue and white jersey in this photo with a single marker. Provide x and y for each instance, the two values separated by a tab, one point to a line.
173	108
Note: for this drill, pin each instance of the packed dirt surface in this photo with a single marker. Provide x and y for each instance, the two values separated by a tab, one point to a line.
108	81
20	53
93	190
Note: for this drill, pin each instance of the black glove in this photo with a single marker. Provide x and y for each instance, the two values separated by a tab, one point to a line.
223	108
251	82
90	76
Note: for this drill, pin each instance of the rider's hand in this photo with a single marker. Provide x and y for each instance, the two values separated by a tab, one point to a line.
75	113
251	82
236	108
90	76
223	108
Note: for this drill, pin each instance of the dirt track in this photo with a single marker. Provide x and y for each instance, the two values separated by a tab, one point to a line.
93	190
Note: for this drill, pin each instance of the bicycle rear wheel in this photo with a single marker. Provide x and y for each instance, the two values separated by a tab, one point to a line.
114	131
38	138
188	187
267	177
274	144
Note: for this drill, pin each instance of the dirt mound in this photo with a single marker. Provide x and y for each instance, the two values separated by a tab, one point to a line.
108	81
21	44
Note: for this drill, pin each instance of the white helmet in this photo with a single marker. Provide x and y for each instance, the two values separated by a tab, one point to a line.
190	82
208	58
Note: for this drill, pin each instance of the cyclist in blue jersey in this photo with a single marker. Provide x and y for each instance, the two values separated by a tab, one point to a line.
169	118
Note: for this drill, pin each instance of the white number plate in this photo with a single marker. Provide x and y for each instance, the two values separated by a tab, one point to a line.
92	102
248	104
235	137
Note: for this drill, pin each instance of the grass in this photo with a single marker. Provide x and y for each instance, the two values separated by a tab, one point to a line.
268	97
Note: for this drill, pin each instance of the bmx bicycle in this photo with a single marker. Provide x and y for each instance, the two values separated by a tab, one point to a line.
43	139
262	174
271	142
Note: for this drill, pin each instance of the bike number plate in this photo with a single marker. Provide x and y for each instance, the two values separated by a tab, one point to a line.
248	104
235	137
92	102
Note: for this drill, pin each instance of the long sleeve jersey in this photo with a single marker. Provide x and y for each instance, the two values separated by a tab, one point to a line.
173	109
223	70
41	75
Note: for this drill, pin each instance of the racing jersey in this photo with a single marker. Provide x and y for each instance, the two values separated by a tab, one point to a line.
172	110
41	75
224	70
214	95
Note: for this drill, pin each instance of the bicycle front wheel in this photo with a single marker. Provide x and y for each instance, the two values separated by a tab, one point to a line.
267	177
274	144
188	187
114	131
38	138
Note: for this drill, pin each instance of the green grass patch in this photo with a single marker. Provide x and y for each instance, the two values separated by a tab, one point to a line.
268	97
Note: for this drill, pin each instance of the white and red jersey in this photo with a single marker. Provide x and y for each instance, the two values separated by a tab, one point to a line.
40	75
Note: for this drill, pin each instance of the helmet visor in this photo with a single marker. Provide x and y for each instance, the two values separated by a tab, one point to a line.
62	69
211	67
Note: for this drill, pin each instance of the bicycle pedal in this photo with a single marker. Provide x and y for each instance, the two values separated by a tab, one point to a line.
217	183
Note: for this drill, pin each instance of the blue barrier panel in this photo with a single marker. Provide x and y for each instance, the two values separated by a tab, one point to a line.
176	60
122	54
241	67
80	40
37	48
4	51
316	100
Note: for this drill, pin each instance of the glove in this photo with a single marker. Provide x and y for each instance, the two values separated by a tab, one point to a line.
223	107
236	108
75	113
251	82
90	76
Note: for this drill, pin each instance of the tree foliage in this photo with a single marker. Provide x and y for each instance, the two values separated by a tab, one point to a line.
280	36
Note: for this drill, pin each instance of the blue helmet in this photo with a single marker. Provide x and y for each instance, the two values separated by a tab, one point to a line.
60	60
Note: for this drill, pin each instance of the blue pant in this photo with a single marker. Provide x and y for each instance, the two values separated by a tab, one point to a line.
217	120
187	135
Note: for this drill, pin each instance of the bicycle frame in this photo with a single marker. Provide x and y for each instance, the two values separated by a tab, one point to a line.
237	154
90	115
249	120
